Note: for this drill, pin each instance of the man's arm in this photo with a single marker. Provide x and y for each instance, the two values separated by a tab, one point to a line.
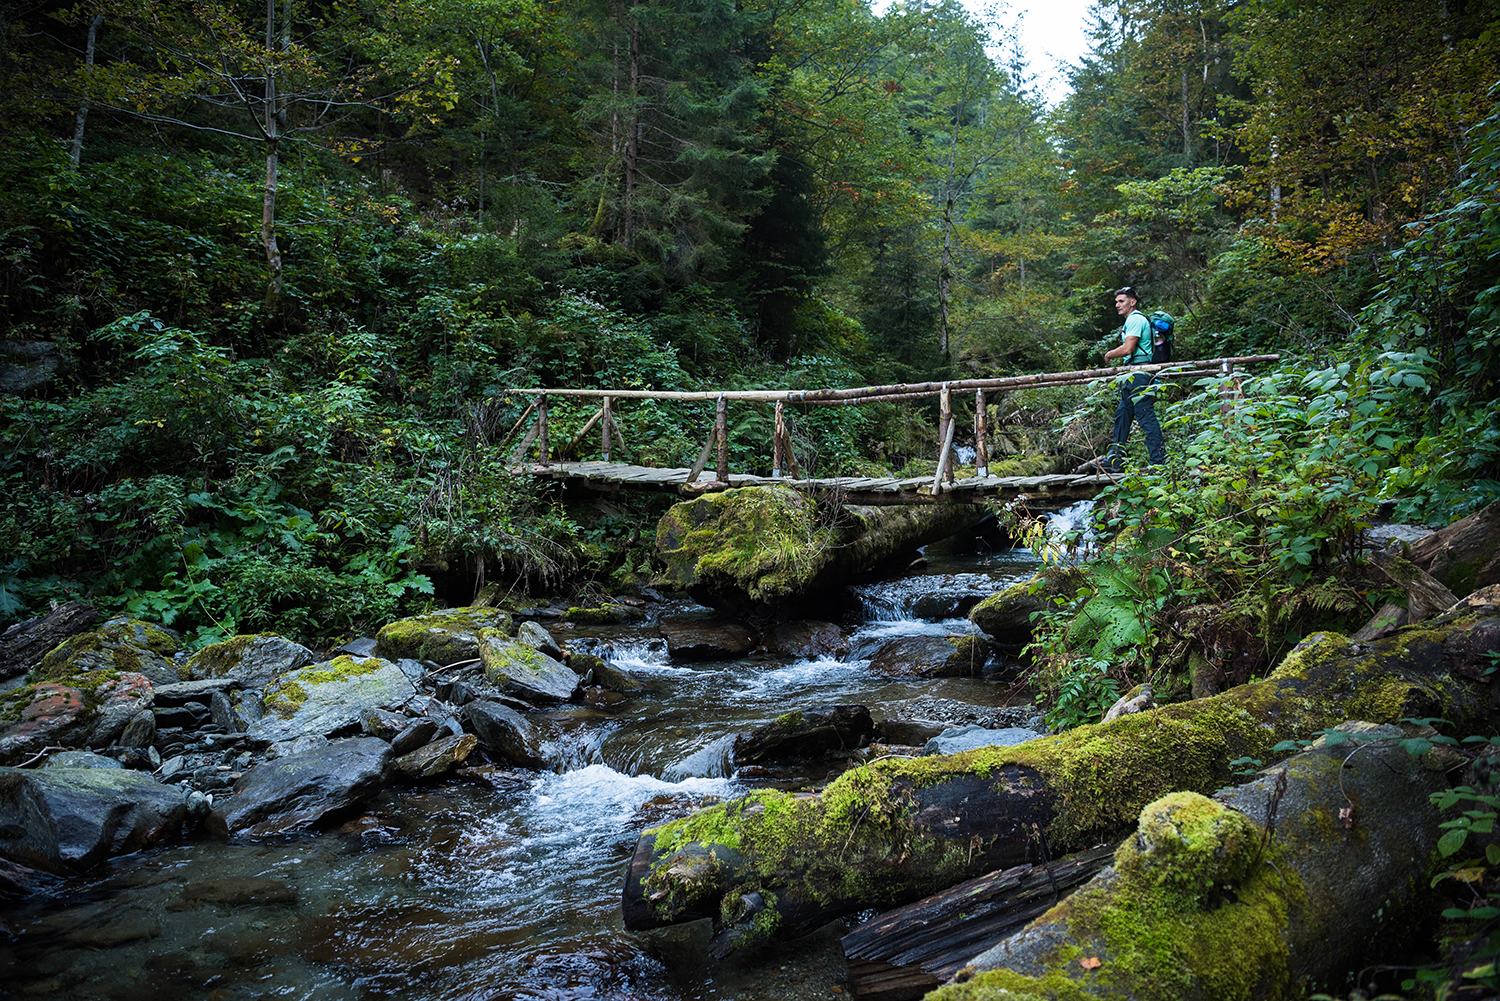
1125	350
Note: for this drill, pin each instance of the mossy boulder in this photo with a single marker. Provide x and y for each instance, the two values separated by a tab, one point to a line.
120	645
1203	902
753	550
253	660
91	709
323	699
445	637
524	671
1006	615
609	614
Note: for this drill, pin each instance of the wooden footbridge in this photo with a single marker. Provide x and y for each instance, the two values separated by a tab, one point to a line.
944	486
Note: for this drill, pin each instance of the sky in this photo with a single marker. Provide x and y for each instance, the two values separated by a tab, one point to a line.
1052	32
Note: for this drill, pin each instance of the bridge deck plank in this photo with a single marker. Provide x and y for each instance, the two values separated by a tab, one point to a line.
859	489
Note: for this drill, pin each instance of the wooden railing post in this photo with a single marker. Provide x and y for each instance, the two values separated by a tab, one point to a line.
721	434
945	431
981	446
541	436
606	432
1229	392
776	436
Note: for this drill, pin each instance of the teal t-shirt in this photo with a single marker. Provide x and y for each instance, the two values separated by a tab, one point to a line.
1136	325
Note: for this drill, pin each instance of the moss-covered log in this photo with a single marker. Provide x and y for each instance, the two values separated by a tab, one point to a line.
897	830
1256	894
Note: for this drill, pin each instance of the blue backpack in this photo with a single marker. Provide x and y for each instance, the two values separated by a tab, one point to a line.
1161	336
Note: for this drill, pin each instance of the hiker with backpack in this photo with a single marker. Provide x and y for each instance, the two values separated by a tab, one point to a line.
1138	346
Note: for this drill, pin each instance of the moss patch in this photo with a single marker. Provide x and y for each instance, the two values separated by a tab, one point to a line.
443	637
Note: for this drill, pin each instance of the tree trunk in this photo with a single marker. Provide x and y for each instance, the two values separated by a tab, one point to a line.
902	954
24	644
268	204
75	154
1466	554
1253	895
893	831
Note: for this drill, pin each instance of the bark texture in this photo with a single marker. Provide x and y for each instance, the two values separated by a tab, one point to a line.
1466	555
894	831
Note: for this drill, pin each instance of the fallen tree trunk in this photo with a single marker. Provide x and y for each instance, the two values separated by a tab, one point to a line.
23	645
894	831
1249	896
902	954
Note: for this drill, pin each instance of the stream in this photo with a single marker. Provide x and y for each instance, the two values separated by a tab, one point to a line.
507	889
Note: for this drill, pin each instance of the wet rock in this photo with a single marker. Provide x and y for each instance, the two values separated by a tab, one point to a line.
753	550
235	891
140	731
804	734
17	881
907	733
325	699
534	635
44	715
252	660
297	791
603	615
1138	699
966	738
120	645
297	745
120	701
384	723
943	605
80	759
582	663
413	735
806	638
225	716
707	637
505	733
363	646
442	637
172	766
436	758
615	679
142	759
64	820
23	644
932	657
183	692
1006	616
32	365
523	671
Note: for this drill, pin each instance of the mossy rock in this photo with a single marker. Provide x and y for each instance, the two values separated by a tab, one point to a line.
752	549
120	645
253	659
524	671
602	615
325	698
1006	616
445	637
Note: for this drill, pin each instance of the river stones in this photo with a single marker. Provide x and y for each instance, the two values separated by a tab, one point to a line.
932	657
120	645
524	671
505	733
297	791
805	638
64	820
325	698
252	660
436	758
706	637
444	638
804	734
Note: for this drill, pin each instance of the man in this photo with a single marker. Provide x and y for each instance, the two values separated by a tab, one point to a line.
1138	392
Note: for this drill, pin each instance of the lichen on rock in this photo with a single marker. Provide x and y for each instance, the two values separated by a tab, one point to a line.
445	637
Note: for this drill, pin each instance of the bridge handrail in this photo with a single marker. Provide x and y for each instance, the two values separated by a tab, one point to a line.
907	390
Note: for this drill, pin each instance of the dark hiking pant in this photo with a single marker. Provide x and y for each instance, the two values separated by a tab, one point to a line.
1138	403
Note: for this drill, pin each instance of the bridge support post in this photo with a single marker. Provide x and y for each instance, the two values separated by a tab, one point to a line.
606	431
721	435
981	445
776	436
542	447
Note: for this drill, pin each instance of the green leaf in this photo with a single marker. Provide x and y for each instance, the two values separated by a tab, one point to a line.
1452	842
